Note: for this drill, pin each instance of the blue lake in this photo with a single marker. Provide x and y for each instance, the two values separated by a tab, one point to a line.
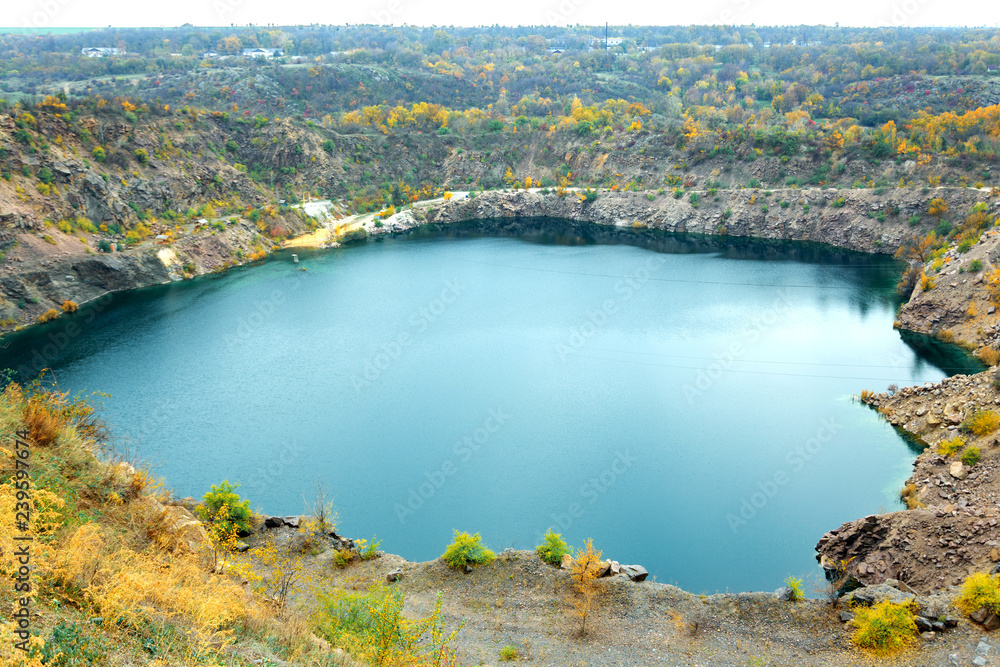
688	407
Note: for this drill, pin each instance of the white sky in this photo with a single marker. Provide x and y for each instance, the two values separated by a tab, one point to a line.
98	13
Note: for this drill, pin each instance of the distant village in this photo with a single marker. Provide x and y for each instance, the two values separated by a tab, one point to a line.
555	47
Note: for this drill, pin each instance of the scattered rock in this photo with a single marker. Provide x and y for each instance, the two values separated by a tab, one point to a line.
991	623
635	572
293	521
846	616
784	594
979	616
567	562
274	522
242	547
927	635
958	470
394	576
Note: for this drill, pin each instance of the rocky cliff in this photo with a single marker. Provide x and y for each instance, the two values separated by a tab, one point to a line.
862	220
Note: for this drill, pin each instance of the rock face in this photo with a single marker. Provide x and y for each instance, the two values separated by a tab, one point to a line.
813	215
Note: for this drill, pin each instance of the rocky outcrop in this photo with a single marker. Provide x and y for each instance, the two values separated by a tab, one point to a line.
844	218
953	528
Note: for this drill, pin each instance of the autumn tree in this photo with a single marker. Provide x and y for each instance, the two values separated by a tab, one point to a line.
937	207
584	571
230	45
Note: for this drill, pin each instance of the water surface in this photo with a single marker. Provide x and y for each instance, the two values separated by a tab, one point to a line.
689	408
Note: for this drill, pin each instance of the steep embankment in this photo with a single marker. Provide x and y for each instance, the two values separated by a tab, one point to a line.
861	220
951	528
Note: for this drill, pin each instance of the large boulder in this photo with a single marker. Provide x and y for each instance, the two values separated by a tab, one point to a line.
635	572
174	527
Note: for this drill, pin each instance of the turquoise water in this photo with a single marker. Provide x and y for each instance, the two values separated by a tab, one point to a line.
689	410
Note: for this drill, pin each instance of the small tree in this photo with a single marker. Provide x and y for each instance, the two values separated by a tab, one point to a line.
237	515
937	207
222	536
586	566
322	513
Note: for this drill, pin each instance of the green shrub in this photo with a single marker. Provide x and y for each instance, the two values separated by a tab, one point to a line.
467	549
237	512
369	549
971	456
508	653
839	203
884	628
141	155
46	176
980	591
975	265
949	447
694	199
914	220
553	548
328	146
796	587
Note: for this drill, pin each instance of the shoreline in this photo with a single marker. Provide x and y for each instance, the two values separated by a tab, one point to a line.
504	208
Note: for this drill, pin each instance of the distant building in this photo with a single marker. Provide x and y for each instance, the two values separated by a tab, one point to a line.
101	51
210	54
614	41
262	53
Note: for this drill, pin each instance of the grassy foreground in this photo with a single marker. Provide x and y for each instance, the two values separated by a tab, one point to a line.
109	579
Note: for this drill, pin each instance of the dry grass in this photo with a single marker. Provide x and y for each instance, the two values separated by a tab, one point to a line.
988	356
909	496
102	556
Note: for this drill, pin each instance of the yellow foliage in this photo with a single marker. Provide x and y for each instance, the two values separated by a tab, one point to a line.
988	356
937	207
584	570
